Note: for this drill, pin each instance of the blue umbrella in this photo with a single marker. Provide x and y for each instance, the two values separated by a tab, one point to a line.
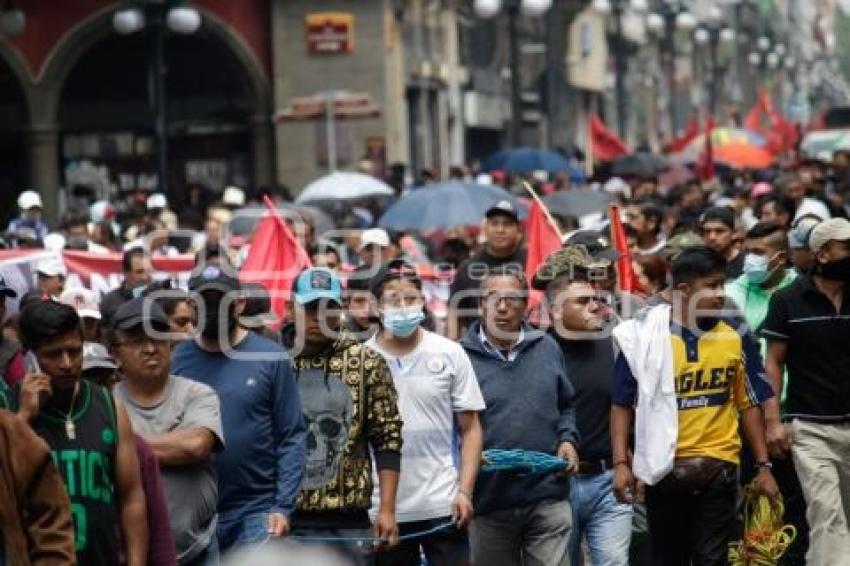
528	159
445	205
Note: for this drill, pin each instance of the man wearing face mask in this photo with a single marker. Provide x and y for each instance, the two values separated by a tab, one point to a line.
437	388
351	414
808	331
260	472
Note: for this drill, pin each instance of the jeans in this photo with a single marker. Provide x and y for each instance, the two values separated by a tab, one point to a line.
532	535
598	517
448	547
693	527
253	529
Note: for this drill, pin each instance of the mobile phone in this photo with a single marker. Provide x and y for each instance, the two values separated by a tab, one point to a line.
31	363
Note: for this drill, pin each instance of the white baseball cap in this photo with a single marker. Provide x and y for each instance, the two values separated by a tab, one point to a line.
51	267
28	200
832	229
374	237
83	300
157	200
233	196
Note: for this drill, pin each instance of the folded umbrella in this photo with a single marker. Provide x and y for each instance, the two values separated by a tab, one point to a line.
445	205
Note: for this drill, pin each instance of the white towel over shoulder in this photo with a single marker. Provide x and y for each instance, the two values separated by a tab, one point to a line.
644	341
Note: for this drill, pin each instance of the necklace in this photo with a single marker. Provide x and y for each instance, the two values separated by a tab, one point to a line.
70	427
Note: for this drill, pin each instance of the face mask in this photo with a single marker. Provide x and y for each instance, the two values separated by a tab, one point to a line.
756	268
838	270
213	321
404	321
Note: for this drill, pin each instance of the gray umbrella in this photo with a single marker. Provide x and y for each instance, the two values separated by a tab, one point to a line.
640	164
245	219
577	202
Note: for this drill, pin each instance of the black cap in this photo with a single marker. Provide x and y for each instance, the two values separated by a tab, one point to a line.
597	243
136	311
505	208
395	269
5	290
214	277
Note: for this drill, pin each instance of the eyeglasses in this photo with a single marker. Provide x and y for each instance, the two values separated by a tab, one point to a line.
513	300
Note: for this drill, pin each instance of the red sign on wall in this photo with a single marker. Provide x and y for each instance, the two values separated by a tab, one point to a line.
330	32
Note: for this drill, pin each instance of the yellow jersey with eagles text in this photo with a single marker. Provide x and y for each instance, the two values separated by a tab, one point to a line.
717	374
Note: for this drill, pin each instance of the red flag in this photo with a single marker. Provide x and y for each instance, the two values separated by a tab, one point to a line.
626	278
678	144
604	144
542	240
275	259
705	163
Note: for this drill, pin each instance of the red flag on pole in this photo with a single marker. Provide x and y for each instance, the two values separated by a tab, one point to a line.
541	237
605	145
275	258
705	164
626	278
678	144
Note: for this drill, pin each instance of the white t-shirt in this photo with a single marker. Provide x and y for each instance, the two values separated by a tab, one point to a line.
434	382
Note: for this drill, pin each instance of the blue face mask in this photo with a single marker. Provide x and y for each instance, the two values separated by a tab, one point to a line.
756	268
404	321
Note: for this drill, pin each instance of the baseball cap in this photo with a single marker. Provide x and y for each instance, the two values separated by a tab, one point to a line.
5	290
317	283
83	300
258	307
832	229
564	261
395	269
96	356
233	196
213	277
798	236
51	267
29	199
136	311
596	243
374	237
505	208
157	200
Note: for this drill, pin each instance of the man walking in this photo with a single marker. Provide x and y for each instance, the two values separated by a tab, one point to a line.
261	470
520	519
438	393
179	418
693	387
90	439
808	331
351	414
578	326
717	228
136	267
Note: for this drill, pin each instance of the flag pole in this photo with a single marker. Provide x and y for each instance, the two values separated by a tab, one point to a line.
549	218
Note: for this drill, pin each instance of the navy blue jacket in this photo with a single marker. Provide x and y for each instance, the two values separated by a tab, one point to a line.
530	407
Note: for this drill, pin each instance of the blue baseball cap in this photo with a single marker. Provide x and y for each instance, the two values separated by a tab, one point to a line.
317	283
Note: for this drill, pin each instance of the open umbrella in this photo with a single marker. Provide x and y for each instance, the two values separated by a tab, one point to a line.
344	186
743	156
640	164
577	202
528	159
445	205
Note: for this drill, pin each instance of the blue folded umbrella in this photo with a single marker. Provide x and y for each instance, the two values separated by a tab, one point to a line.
528	159
445	205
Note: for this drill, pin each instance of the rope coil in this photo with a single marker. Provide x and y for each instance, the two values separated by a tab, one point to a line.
523	461
765	537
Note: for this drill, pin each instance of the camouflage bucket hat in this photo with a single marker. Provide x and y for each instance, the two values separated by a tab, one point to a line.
565	261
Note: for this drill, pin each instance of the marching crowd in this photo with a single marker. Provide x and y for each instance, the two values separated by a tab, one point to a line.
157	425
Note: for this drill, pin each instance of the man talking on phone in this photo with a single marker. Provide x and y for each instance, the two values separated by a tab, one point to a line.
89	436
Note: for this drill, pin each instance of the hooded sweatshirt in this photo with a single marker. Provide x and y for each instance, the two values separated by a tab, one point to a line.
529	407
349	405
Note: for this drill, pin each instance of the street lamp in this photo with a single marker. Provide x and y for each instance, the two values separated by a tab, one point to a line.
12	19
713	34
486	9
673	17
158	16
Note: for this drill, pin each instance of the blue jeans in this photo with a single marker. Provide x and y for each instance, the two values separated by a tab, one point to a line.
253	529
598	517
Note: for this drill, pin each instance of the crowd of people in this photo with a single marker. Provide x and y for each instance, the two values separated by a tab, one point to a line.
166	425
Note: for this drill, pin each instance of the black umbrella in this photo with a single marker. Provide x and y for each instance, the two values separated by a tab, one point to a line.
641	164
577	202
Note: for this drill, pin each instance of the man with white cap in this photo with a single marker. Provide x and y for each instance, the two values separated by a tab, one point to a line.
84	302
30	204
373	248
157	205
807	329
50	276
